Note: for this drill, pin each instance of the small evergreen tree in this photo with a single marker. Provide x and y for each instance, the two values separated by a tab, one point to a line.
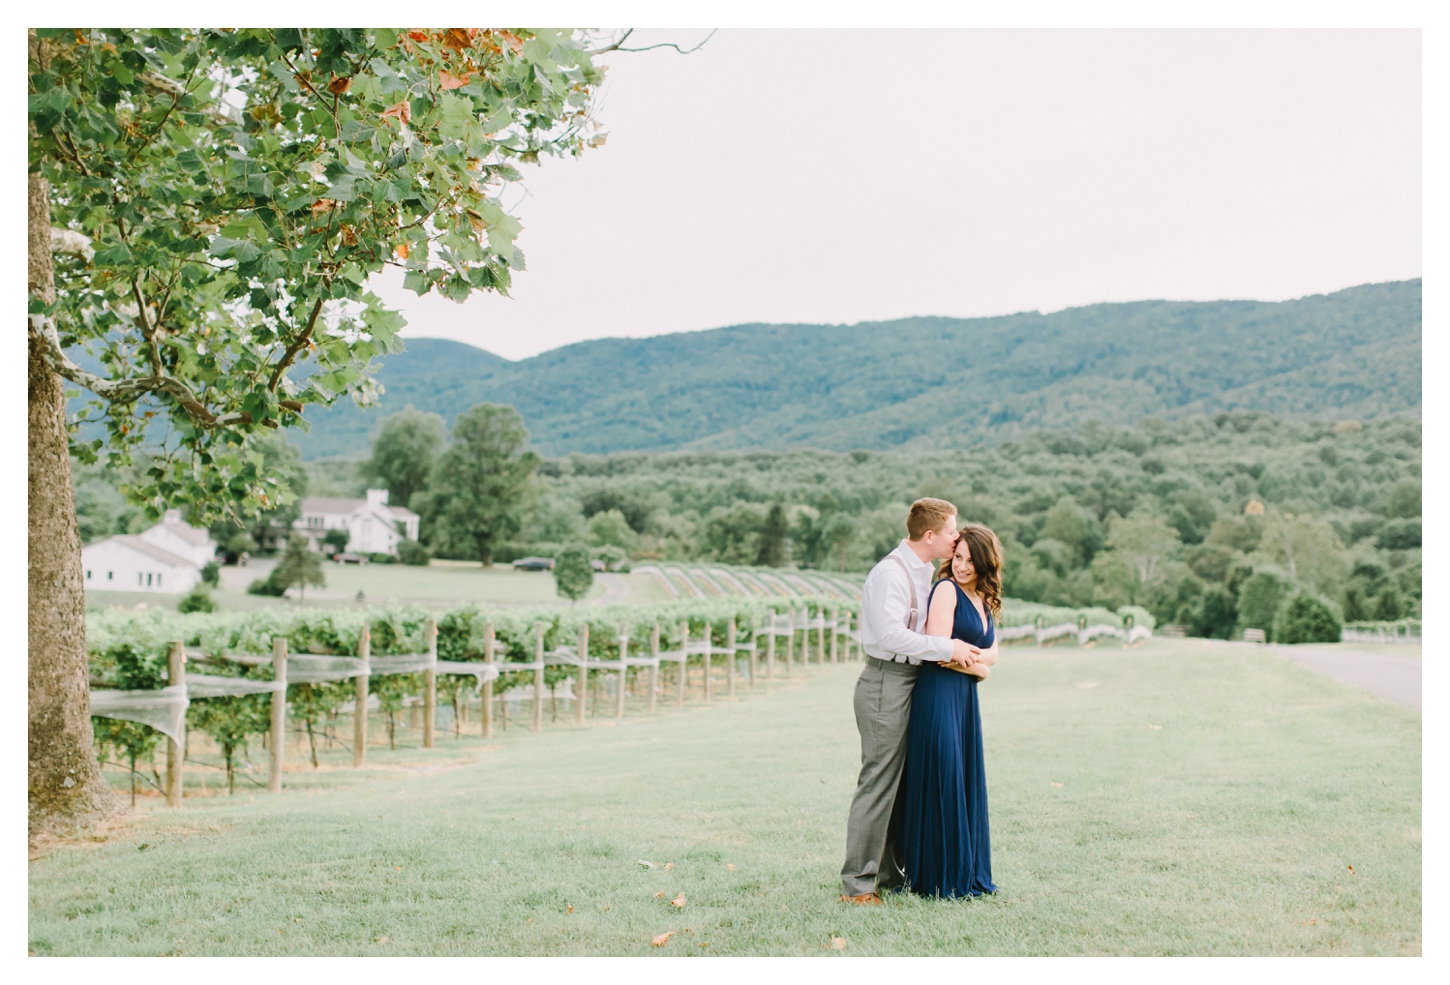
573	574
337	539
1260	597
771	542
299	566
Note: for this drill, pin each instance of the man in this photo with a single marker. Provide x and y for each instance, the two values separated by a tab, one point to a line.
893	613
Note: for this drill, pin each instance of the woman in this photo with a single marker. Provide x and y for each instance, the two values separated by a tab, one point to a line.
944	832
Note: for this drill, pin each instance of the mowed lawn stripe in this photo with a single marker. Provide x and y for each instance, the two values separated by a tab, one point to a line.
1176	798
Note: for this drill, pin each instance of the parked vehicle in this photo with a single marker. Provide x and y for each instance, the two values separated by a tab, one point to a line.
347	557
534	564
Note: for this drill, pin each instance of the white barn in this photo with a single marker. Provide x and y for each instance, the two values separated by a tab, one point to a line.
167	558
373	527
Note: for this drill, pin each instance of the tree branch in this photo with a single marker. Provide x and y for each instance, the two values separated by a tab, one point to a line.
43	330
619	45
147	332
295	347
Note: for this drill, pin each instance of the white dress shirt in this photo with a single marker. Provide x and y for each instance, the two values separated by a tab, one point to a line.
886	604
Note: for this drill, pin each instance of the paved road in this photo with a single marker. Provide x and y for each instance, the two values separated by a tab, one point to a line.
1390	675
615	589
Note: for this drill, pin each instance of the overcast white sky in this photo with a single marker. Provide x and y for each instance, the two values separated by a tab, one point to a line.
845	176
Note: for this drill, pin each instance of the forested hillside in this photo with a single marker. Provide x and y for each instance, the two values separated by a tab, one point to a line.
923	383
1207	521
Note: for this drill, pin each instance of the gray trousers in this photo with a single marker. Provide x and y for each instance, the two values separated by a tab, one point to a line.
883	708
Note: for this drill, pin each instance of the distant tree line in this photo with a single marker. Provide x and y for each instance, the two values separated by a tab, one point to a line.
1216	523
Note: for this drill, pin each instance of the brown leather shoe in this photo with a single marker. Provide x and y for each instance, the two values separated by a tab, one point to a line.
865	899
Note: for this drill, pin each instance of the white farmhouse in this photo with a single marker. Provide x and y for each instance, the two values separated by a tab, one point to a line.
167	558
373	527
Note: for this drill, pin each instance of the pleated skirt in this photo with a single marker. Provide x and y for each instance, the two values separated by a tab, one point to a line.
944	835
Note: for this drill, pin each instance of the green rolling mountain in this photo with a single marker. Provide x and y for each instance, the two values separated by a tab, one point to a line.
922	383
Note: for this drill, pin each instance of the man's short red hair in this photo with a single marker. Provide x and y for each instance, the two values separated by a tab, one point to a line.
928	514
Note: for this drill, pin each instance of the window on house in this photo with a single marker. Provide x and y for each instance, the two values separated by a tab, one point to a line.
88	574
110	575
158	579
148	579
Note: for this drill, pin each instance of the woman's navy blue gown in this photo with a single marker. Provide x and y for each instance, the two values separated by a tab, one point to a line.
944	834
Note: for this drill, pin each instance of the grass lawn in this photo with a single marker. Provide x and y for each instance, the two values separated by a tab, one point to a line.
1175	798
441	584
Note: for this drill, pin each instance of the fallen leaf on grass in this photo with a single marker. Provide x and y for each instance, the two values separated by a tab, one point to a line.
1085	685
1057	784
1311	921
679	901
398	867
662	939
660	894
1351	870
1156	728
647	865
838	943
669	866
568	907
380	940
730	866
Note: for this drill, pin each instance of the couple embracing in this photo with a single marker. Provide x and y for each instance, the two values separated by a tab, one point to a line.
918	819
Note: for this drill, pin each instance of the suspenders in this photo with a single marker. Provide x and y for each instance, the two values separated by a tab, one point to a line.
911	584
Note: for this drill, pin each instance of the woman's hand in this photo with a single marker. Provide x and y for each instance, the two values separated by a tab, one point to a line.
976	669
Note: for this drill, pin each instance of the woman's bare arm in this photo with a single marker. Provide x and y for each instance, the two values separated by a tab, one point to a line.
940	616
939	619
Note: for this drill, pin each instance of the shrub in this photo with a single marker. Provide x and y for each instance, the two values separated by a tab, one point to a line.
196	600
1307	618
211	574
267	586
1389	606
380	558
414	553
336	539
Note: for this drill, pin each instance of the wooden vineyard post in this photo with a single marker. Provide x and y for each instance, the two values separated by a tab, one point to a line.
754	651
279	713
684	664
430	681
581	687
623	670
709	658
487	709
805	626
821	636
654	670
175	751
730	658
835	648
360	700
790	645
538	677
769	649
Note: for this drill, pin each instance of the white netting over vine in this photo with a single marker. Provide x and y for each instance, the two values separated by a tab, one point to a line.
163	710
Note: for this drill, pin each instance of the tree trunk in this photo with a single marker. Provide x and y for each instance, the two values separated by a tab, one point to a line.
65	781
485	552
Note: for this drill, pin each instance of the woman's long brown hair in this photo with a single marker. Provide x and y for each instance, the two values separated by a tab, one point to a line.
987	560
